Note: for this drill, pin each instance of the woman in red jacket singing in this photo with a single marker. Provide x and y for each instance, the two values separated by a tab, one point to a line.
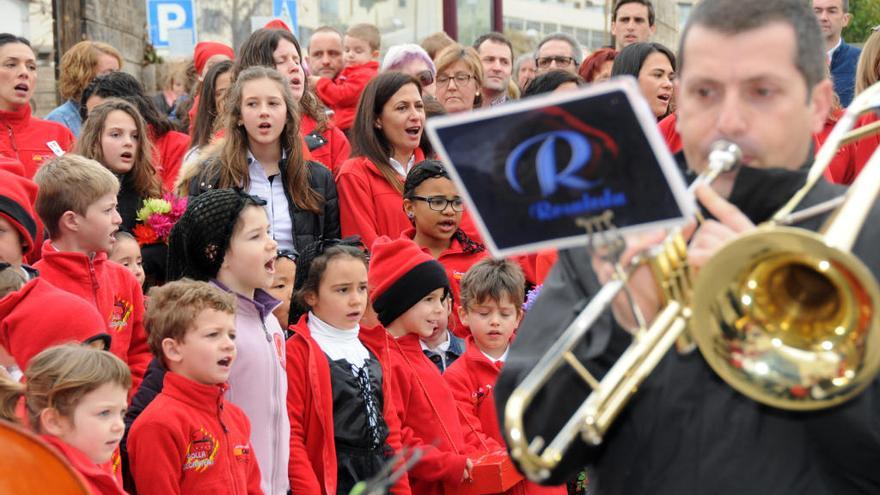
24	138
388	139
343	427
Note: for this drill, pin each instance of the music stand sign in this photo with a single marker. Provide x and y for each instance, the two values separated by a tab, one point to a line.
529	170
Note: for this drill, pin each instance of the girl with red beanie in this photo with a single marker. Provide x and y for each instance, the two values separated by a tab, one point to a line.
205	56
25	138
408	289
343	425
433	205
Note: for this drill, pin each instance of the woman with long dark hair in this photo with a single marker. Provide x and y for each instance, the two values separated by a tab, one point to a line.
654	66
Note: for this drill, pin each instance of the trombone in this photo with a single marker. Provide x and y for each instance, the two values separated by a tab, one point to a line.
782	314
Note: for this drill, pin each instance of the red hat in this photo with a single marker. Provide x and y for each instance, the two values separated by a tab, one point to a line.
17	198
277	24
207	49
400	275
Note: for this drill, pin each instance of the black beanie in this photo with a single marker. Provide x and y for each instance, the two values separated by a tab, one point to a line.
199	240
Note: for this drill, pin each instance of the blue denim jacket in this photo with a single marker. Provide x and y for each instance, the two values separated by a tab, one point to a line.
67	115
455	350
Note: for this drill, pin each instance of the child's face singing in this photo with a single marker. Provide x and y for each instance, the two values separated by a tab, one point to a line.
439	335
96	425
282	287
206	352
94	230
356	51
342	293
249	263
11	250
263	111
425	317
127	253
492	323
120	142
435	225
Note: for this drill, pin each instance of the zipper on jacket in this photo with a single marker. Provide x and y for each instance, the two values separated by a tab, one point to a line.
94	279
277	359
13	143
230	449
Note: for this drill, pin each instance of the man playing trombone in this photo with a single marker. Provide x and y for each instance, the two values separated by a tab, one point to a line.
752	72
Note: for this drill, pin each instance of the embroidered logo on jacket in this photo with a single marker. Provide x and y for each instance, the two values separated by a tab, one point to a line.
279	348
201	451
122	310
242	452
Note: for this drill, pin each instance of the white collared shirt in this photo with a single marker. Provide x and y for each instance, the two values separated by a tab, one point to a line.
399	168
277	207
831	51
503	357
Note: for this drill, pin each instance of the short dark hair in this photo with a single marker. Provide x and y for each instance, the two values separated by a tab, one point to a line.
646	3
6	38
732	17
125	86
497	38
549	81
630	60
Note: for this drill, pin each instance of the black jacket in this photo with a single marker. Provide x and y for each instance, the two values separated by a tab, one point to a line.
308	227
686	431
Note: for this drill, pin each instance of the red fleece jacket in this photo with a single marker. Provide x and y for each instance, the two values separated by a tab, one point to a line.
28	139
101	478
368	205
114	291
334	152
341	94
27	326
168	152
472	380
190	440
313	462
431	420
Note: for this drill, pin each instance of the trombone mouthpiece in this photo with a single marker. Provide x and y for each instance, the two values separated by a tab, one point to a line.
724	156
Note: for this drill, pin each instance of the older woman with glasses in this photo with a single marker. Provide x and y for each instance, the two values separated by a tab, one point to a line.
459	78
413	60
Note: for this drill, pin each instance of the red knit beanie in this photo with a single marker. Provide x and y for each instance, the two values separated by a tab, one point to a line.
206	50
17	197
277	24
400	275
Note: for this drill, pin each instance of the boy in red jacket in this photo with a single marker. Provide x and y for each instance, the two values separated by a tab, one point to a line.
408	290
491	306
77	204
190	439
360	54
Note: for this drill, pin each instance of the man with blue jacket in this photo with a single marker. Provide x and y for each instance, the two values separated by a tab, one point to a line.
833	16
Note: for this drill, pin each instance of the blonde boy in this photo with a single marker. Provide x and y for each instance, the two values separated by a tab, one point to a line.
77	204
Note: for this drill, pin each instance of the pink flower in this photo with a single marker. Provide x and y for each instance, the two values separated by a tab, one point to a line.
178	205
161	224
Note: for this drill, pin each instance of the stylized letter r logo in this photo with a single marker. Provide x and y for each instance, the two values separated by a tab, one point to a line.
545	162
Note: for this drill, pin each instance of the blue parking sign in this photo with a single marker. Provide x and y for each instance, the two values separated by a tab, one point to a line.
286	11
165	16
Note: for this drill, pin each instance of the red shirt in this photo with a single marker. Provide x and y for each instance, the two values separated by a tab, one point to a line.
849	160
313	462
190	440
368	205
168	152
112	289
40	315
30	140
670	134
472	380
341	94
335	151
430	419
102	479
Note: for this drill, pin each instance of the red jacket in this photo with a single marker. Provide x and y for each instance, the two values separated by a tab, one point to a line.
334	151
27	326
29	139
102	479
313	462
114	291
670	133
430	419
168	152
368	205
472	379
852	158
456	262
190	440
341	94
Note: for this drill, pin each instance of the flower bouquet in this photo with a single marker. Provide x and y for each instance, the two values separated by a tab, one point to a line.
157	217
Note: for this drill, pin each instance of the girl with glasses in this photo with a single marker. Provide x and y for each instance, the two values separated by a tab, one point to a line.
435	208
459	78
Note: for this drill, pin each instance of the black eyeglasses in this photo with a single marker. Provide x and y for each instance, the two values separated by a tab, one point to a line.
460	79
439	203
544	62
425	77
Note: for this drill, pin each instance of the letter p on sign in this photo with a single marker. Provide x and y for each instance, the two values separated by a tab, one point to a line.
169	16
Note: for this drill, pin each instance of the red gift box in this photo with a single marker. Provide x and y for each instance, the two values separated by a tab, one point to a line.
492	473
